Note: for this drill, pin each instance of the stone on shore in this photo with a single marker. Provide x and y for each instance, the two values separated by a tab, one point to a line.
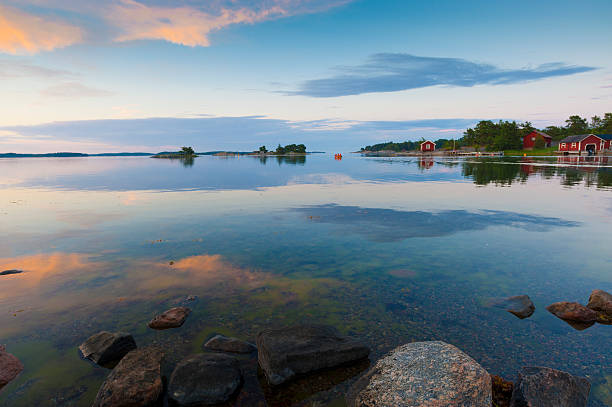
286	352
423	374
502	391
173	318
10	367
546	387
107	347
9	272
205	379
225	344
519	305
135	382
601	302
572	311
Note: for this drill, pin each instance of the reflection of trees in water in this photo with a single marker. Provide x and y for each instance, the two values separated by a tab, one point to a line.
187	161
291	159
584	170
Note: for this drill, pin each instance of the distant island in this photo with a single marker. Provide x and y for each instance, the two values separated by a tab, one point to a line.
68	154
184	153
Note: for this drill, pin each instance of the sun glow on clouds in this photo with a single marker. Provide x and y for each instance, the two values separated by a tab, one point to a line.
21	32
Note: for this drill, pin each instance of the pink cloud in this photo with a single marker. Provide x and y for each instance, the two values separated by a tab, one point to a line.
21	32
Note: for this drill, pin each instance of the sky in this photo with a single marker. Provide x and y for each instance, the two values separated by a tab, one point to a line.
336	75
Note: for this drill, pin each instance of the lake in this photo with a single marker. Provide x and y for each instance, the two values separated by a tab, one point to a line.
390	250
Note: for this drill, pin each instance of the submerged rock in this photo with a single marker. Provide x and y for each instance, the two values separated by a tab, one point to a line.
135	381
546	387
519	305
572	311
225	344
601	302
10	367
205	379
106	347
502	391
173	318
423	374
9	272
287	352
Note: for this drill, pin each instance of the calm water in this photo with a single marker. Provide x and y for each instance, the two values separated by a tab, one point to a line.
389	250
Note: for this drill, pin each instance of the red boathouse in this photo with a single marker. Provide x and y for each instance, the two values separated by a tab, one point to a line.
530	139
585	143
428	146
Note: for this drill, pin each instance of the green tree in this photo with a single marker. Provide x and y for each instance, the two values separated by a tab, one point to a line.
576	125
263	149
188	151
606	124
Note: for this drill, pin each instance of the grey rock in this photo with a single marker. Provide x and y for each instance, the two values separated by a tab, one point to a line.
106	347
205	379
519	305
423	374
135	382
286	352
173	318
10	367
546	387
9	272
225	344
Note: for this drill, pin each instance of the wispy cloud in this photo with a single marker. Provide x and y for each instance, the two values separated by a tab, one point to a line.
388	72
10	69
184	22
24	33
74	90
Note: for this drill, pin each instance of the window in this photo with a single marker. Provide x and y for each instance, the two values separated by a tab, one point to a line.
533	139
573	145
562	145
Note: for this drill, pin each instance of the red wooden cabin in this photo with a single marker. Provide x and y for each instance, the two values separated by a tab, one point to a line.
428	146
585	143
530	139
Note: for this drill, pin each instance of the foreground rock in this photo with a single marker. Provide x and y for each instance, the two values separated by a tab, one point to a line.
135	381
572	311
173	318
10	367
104	348
225	344
601	302
287	352
519	305
9	272
205	379
545	387
423	374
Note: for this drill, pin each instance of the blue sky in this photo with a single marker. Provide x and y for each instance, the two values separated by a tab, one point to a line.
335	74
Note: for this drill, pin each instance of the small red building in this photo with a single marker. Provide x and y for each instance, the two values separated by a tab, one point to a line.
529	140
428	146
584	143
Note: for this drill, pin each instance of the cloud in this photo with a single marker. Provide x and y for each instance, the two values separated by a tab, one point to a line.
10	69
387	72
21	32
74	90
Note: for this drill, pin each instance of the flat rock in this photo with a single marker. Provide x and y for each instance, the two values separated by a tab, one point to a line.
519	305
205	379
10	367
546	387
225	344
601	302
136	381
572	311
423	374
173	318
107	347
9	272
286	352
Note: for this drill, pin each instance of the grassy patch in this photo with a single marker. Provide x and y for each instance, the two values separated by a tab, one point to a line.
531	153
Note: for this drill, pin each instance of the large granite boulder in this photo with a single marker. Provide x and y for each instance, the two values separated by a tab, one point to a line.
286	352
546	387
10	367
205	379
135	382
572	311
601	302
173	318
224	344
105	348
518	305
423	374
